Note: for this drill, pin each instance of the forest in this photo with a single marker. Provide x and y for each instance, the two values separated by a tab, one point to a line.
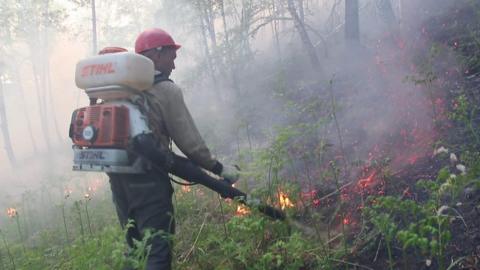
358	119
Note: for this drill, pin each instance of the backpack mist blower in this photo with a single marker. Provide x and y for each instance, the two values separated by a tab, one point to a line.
113	136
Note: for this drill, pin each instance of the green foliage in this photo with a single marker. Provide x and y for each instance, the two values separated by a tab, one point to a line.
384	223
138	255
460	110
465	112
426	73
253	243
472	162
103	252
418	227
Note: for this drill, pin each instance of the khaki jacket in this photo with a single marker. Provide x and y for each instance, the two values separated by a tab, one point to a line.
170	119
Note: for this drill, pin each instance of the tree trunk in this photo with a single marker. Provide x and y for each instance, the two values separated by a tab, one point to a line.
301	11
210	22
228	59
386	12
47	78
4	127
41	105
333	20
94	29
51	100
204	29
36	45
275	30
352	29
307	43
400	11
224	20
25	111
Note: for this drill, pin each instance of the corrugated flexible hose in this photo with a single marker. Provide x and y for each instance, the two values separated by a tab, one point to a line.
184	168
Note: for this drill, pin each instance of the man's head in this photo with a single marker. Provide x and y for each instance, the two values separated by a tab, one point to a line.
160	47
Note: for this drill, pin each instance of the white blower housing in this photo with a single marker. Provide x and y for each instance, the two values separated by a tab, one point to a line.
101	132
114	76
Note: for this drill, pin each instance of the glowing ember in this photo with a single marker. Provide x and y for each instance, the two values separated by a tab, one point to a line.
284	201
186	189
242	210
311	196
308	195
411	160
367	182
12	212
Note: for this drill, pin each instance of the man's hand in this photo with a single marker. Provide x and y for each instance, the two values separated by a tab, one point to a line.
231	174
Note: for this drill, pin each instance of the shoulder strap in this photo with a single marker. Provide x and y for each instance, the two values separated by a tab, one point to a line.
144	101
160	78
141	102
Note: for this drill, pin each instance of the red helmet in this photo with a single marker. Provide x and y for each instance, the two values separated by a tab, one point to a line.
112	50
154	38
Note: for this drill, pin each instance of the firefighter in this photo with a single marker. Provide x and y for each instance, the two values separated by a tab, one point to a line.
147	199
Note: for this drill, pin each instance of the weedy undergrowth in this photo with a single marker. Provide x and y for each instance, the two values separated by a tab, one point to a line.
420	227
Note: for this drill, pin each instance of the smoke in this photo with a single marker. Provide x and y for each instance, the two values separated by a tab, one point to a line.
387	113
382	112
246	89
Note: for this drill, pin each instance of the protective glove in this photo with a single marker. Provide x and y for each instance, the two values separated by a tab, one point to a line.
230	173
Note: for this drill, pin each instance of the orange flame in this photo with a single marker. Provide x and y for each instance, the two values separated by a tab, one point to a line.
12	212
367	182
242	210
285	202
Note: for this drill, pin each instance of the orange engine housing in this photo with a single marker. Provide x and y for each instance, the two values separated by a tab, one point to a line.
110	124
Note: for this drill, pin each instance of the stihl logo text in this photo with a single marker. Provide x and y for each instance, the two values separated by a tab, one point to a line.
97	69
92	155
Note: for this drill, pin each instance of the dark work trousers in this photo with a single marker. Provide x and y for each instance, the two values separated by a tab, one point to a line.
147	200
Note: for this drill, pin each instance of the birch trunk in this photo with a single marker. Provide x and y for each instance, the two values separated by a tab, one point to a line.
4	128
204	30
52	101
94	29
21	91
307	43
41	106
46	61
275	27
210	22
352	29
301	11
224	20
